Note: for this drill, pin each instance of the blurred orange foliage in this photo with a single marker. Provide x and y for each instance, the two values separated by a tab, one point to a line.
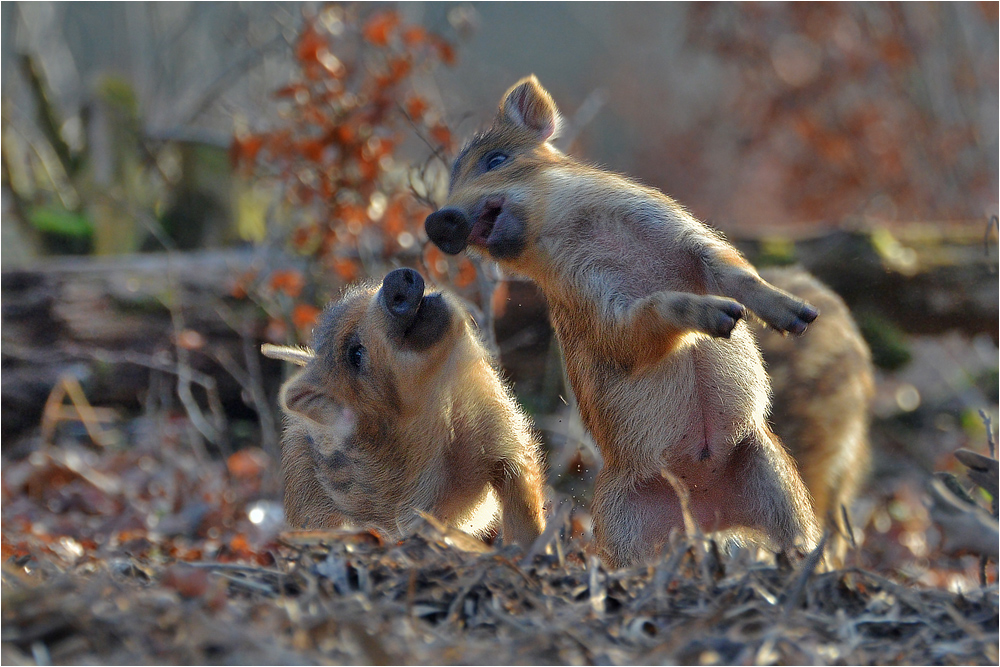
333	149
839	110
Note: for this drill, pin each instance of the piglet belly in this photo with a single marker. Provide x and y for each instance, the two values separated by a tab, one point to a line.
727	399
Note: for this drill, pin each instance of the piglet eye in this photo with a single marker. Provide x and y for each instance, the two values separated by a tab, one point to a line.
494	160
356	356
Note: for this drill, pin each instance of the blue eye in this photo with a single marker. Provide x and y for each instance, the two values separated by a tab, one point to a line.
495	160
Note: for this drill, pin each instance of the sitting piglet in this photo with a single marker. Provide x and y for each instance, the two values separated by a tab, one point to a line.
398	410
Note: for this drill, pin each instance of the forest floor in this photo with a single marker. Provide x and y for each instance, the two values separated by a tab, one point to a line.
155	552
154	548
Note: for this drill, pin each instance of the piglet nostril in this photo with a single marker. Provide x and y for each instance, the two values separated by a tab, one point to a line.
402	292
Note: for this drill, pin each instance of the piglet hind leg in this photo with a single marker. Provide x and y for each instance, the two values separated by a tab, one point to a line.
519	487
757	493
769	495
632	520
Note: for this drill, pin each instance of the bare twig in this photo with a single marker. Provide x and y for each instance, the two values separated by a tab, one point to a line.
847	526
583	116
555	524
989	433
963	526
82	410
994	222
794	599
250	380
229	76
435	150
211	432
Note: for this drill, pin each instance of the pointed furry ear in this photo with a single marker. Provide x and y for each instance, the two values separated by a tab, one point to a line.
300	356
529	105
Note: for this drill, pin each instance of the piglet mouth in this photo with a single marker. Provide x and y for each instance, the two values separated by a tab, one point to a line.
487	218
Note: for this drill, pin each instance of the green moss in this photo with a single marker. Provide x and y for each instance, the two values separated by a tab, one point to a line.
775	251
888	343
57	220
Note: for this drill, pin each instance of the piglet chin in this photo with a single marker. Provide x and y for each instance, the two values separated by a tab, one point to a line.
338	425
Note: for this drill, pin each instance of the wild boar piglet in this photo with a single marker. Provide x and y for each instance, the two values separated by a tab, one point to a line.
647	303
399	409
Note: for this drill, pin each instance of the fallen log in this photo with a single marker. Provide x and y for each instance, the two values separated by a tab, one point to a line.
113	322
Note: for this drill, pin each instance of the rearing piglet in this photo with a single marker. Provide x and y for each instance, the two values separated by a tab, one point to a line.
647	303
400	409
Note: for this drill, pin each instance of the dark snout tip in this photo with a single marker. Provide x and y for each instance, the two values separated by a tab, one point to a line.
402	291
449	229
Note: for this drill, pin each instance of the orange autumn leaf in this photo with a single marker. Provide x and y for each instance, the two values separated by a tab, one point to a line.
310	43
466	273
312	150
399	68
305	236
414	35
239	543
434	259
415	107
353	214
241	285
247	463
188	581
394	218
445	51
289	281
304	316
291	90
345	133
441	134
244	150
346	268
498	302
379	28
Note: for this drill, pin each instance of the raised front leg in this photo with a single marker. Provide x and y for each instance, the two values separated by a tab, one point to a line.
653	323
518	485
728	273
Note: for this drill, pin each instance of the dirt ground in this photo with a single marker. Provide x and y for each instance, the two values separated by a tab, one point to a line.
155	553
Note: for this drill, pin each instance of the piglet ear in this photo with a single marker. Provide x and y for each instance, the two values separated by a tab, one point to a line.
303	395
529	105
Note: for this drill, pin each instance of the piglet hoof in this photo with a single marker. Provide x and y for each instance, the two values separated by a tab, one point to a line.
802	316
723	316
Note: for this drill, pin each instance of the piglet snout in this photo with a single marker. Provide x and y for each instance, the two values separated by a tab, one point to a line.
449	229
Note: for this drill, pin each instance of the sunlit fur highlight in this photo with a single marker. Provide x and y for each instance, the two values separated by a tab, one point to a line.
434	430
